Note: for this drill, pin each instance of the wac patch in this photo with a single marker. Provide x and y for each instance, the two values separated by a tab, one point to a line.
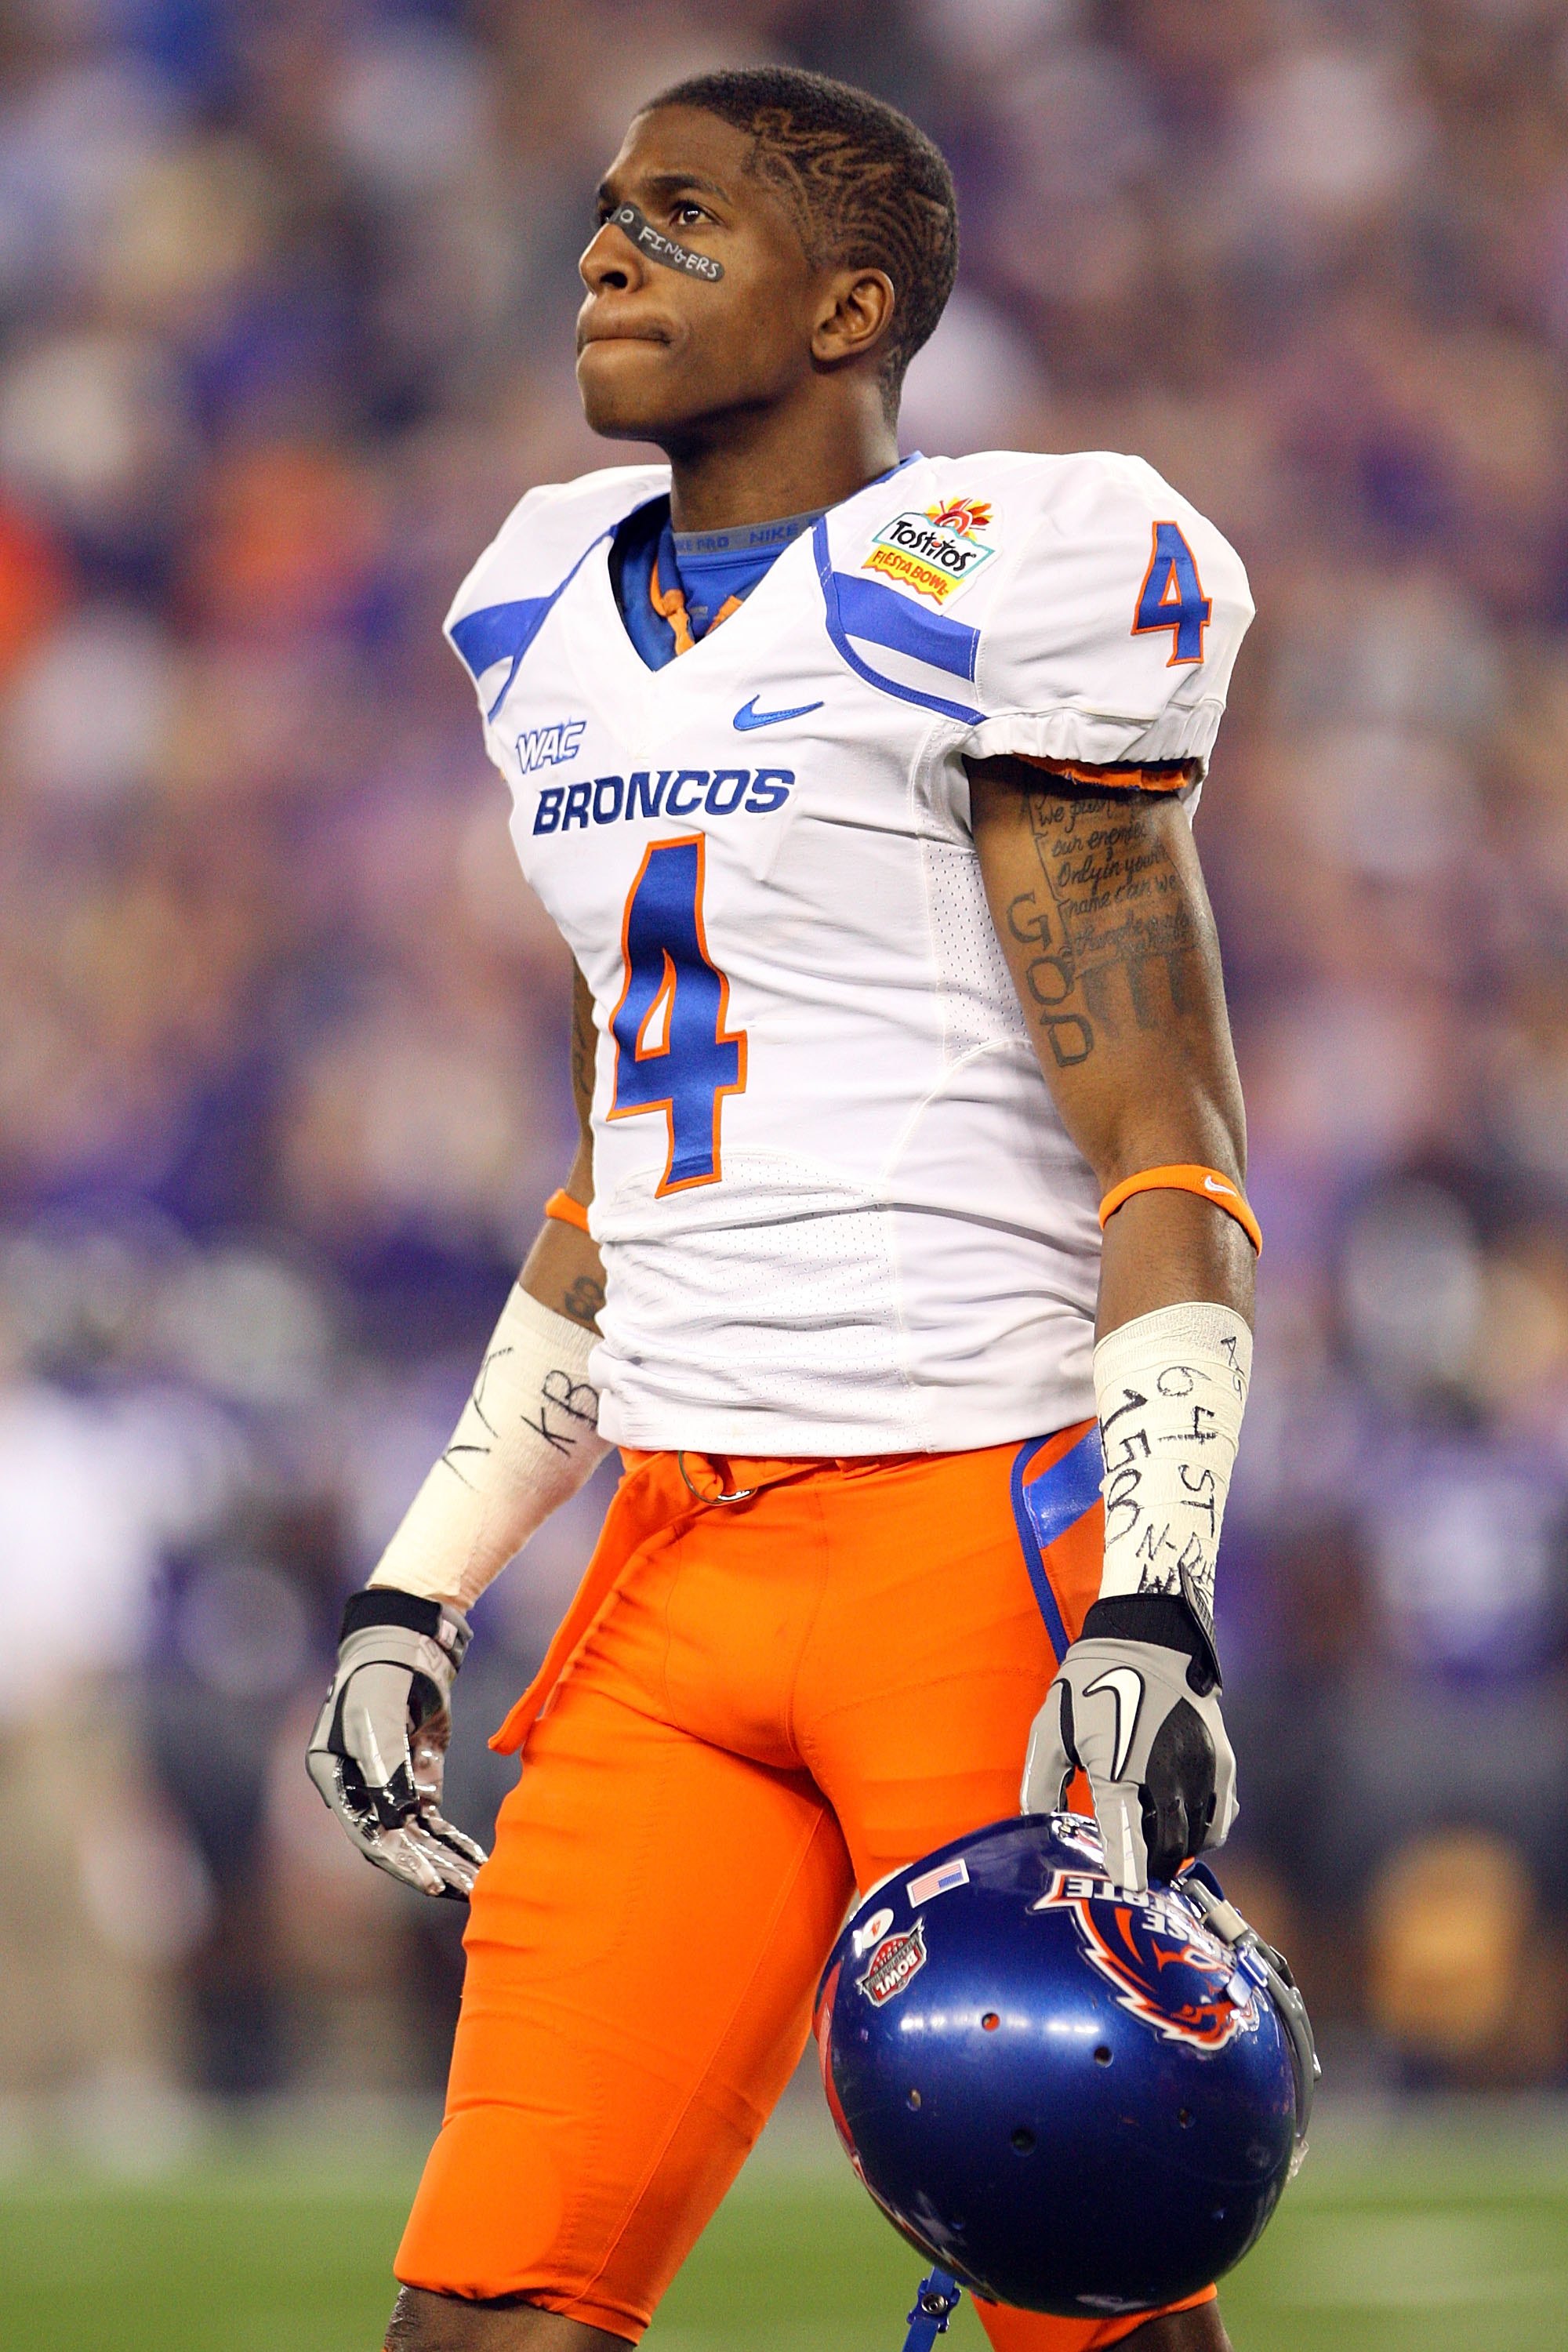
896	1960
1163	1965
550	747
935	552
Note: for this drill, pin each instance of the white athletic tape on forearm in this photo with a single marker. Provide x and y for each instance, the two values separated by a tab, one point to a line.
1171	1388
527	1440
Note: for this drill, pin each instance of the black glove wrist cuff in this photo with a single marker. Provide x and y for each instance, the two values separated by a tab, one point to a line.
383	1604
1162	1618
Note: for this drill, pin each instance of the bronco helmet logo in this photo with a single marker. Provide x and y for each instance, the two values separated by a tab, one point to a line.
1166	1968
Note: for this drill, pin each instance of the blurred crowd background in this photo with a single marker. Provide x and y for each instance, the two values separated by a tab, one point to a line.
287	292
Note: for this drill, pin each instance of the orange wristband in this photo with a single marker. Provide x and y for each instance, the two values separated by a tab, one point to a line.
568	1212
1207	1183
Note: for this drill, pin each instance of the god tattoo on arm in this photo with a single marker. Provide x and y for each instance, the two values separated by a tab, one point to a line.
1116	940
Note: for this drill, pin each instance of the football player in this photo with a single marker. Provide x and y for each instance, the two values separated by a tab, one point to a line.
860	790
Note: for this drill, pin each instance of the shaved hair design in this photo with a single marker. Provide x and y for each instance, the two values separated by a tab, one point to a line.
867	187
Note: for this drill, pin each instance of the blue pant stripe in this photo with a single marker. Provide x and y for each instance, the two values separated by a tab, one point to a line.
1047	1508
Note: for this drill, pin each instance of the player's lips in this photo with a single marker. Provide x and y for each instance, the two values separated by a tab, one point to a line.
620	331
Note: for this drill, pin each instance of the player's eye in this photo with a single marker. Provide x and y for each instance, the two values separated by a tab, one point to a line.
688	214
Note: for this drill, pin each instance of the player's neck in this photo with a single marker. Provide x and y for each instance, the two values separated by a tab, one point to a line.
762	466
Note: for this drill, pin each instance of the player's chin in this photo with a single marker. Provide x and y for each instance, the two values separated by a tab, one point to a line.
629	390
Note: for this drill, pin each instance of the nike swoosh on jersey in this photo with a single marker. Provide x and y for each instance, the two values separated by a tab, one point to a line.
749	716
1125	1684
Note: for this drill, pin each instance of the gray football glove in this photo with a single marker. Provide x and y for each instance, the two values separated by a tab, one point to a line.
379	1749
1136	1705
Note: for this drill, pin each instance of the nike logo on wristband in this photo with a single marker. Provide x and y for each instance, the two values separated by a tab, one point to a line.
1213	1184
1125	1684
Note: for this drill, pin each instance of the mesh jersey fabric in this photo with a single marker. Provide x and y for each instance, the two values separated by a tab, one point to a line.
838	1212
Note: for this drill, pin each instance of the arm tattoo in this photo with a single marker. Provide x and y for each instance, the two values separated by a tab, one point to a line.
584	1300
1114	935
584	1047
583	1297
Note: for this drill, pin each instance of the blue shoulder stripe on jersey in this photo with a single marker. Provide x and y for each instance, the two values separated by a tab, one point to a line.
498	631
1044	1508
831	582
869	610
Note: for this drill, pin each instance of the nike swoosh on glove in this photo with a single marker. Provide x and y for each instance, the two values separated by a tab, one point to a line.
1135	1706
378	1752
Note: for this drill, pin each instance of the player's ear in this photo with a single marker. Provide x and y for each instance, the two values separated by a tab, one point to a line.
854	315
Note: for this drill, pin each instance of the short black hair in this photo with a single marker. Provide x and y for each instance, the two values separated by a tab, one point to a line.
867	186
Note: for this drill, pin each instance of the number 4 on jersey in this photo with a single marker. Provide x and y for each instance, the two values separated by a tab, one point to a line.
1171	596
673	1051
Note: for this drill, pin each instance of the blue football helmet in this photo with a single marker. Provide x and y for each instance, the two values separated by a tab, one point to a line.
1073	2098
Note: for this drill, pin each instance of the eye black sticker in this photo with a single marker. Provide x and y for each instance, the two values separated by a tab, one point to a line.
662	248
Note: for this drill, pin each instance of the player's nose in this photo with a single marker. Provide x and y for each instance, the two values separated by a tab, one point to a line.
611	261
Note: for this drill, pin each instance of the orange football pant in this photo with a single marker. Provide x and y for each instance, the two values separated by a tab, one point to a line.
750	1710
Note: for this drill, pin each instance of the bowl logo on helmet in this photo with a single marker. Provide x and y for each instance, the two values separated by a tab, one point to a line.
896	1961
1166	1968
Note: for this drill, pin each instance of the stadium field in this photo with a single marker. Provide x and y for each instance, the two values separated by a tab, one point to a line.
1443	2228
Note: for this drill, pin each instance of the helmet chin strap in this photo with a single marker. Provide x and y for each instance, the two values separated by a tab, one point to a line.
938	2299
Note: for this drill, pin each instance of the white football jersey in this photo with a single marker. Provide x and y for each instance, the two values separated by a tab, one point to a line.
839	1212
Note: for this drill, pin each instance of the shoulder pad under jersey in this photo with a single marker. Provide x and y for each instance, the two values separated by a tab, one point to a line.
1097	613
504	602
